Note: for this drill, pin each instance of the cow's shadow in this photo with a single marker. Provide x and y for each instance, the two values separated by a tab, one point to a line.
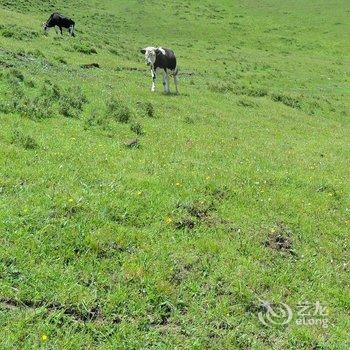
173	94
170	94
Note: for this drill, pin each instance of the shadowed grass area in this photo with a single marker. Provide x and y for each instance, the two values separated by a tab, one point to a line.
138	220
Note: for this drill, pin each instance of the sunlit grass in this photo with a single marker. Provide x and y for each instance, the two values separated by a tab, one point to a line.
135	220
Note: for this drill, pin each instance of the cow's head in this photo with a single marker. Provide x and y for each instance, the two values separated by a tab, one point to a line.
71	30
150	55
44	26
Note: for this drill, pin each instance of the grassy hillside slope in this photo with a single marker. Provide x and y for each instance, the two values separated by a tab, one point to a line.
237	190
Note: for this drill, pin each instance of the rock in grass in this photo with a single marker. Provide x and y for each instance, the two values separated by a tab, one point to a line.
90	66
134	143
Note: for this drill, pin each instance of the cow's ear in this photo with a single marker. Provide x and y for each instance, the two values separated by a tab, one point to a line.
157	51
143	51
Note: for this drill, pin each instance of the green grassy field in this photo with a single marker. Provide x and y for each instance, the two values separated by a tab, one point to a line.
236	191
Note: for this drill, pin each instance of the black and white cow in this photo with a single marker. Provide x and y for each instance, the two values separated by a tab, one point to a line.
165	59
60	21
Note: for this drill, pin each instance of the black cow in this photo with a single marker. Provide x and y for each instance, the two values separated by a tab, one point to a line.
165	59
60	21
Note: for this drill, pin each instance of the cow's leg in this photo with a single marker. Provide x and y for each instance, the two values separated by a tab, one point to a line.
61	30
166	81
176	80
71	30
153	87
56	29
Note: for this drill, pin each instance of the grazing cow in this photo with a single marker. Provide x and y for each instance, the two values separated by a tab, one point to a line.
60	21
161	58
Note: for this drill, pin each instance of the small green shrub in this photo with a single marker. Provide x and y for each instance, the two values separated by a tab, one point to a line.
136	127
146	109
95	118
188	120
119	111
246	102
52	91
221	87
30	83
18	32
114	52
7	33
48	101
250	90
287	100
71	102
17	74
40	107
66	110
61	60
26	141
85	49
